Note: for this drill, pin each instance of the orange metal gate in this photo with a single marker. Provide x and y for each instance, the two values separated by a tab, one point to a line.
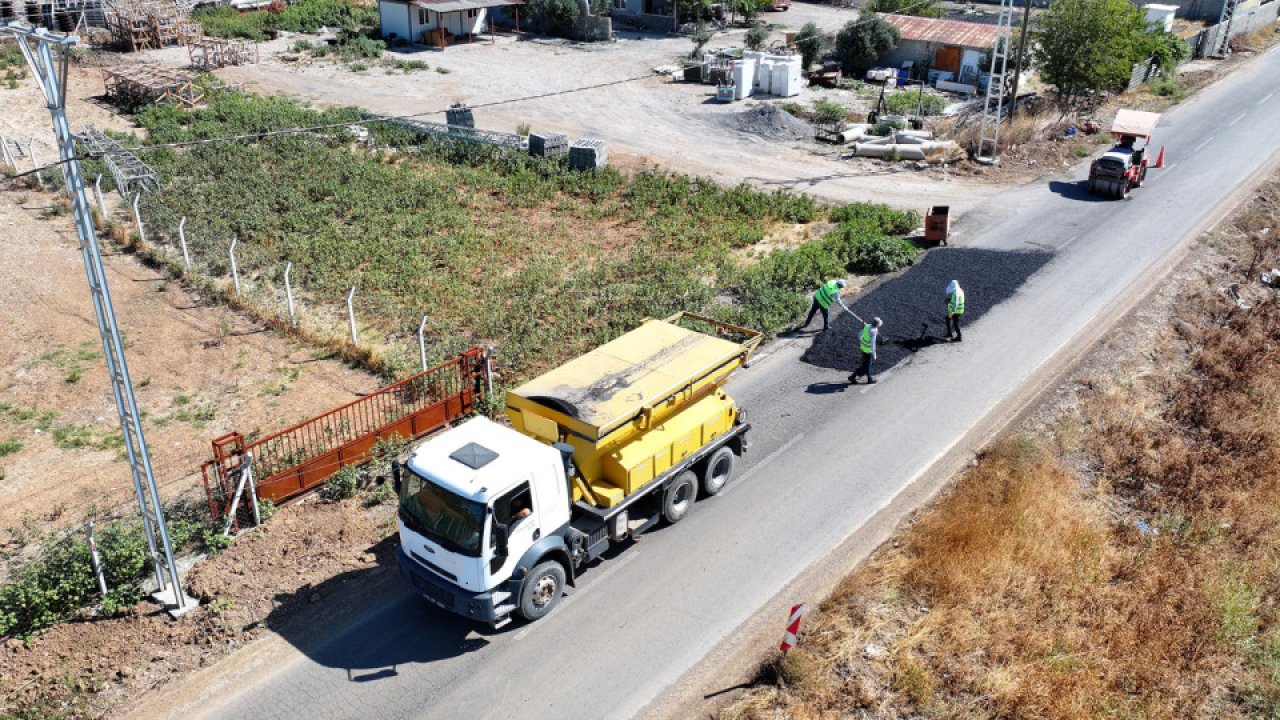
303	456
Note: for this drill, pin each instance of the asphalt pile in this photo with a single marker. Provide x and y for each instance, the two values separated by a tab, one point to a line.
772	122
913	305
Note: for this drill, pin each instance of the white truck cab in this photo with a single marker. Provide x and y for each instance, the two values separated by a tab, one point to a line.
473	503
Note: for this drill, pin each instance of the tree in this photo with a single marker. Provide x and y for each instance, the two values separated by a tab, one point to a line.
811	43
922	8
1087	46
1167	50
756	36
749	9
557	17
860	43
700	40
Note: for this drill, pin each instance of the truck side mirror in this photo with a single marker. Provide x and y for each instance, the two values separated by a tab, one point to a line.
395	477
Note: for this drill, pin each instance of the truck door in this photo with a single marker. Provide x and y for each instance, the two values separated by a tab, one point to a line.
516	510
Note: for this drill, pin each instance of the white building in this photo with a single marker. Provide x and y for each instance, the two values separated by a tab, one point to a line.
439	22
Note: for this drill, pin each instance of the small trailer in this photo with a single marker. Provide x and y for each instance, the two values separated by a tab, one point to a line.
1124	167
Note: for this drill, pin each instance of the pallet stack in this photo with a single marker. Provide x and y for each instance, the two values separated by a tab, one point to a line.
208	53
588	155
548	145
147	24
137	85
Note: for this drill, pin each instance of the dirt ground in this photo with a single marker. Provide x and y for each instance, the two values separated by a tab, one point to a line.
647	119
199	369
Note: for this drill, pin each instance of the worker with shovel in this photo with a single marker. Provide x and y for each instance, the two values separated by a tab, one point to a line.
822	299
867	344
955	309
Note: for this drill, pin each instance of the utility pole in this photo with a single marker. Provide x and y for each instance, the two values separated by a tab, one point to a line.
988	152
1017	63
37	46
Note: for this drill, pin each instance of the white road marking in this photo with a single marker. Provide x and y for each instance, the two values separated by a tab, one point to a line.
613	567
1268	97
760	465
1238	119
1206	142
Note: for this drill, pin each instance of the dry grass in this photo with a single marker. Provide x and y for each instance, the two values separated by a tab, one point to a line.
1124	566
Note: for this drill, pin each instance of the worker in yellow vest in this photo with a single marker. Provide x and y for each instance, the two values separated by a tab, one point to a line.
867	340
955	309
822	298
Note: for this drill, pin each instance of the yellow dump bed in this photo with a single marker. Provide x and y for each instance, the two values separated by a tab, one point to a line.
604	400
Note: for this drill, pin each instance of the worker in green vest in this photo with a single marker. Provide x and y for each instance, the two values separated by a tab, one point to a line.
867	340
955	309
822	299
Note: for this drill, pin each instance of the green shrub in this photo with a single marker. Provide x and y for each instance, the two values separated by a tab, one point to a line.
756	36
341	485
302	16
885	127
870	254
881	218
557	17
9	447
1167	87
908	102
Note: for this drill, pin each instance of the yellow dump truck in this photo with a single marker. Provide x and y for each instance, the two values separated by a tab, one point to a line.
495	521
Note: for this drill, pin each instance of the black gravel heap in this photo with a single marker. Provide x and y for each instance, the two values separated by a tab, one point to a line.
913	305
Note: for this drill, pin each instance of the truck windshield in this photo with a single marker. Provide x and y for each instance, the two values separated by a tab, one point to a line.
448	519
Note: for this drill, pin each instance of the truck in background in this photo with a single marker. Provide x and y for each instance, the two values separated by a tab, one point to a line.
496	521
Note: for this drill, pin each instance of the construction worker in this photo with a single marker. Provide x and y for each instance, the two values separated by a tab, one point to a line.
955	309
867	344
822	299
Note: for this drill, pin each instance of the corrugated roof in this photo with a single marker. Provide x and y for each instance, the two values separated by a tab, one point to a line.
944	32
457	5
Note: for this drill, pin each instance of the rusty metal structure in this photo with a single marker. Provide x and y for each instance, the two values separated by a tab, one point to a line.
132	86
301	457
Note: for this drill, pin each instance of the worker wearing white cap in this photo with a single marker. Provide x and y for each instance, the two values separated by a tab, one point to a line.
867	341
822	299
955	309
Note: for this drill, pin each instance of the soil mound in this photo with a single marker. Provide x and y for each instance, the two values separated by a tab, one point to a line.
772	122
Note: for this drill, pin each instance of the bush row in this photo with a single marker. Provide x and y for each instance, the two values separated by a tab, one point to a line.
60	582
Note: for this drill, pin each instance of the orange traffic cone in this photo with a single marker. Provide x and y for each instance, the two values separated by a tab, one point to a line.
1160	158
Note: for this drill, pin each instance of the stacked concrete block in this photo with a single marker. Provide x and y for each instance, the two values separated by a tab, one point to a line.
551	145
459	115
588	155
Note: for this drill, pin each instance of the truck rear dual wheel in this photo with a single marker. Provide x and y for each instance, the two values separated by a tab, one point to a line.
717	471
541	590
677	499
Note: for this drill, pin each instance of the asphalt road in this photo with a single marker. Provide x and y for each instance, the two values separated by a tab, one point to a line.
826	457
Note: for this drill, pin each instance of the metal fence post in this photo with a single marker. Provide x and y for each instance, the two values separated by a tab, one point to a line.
137	218
182	238
235	271
422	342
488	370
288	293
351	314
94	560
97	193
253	489
31	148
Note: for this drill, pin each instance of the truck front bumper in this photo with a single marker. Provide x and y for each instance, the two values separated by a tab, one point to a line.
477	606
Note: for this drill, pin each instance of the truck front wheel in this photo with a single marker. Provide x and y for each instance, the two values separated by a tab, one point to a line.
717	471
541	590
677	499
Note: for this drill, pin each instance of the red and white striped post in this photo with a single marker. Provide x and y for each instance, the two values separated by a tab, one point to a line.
793	628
